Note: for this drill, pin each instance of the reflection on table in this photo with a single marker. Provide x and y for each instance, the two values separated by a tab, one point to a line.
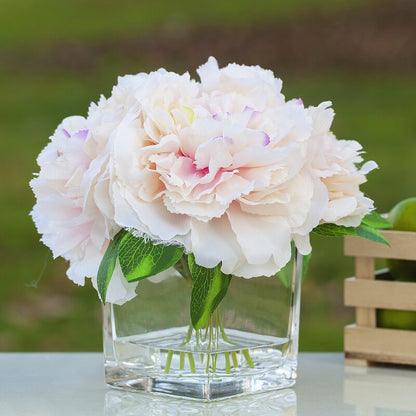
63	384
277	403
380	390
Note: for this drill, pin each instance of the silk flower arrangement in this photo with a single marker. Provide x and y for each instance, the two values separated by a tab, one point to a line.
218	179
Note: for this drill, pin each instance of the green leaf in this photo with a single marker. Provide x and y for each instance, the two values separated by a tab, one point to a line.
375	220
333	230
370	233
305	264
286	272
141	257
363	230
209	288
108	263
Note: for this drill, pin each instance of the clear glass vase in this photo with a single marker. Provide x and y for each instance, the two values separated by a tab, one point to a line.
249	345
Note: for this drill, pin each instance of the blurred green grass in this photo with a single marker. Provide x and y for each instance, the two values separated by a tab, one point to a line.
33	21
39	308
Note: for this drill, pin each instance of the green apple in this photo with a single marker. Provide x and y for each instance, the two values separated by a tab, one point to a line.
403	215
403	218
387	318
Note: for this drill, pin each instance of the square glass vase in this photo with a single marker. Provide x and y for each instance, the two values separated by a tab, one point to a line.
249	345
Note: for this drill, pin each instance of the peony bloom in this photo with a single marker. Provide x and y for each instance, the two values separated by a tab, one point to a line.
71	189
336	164
226	167
232	181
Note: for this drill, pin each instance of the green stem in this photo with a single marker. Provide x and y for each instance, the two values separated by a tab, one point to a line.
235	359
214	363
168	361
207	367
191	362
217	329
223	334
210	334
185	270
188	336
248	358
206	334
197	337
227	362
181	360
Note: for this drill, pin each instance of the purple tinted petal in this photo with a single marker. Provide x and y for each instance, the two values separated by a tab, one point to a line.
66	133
215	116
266	139
254	115
226	139
247	108
81	134
300	101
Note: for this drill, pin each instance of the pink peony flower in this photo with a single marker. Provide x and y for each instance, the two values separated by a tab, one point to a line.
336	164
226	167
72	194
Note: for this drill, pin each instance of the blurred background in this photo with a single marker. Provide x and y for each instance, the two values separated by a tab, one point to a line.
56	57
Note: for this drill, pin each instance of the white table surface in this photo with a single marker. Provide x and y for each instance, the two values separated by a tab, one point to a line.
49	384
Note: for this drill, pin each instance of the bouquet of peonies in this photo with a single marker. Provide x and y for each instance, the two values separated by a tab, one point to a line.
215	178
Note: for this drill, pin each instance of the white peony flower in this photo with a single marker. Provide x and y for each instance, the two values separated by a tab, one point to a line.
335	162
258	87
72	198
226	167
232	183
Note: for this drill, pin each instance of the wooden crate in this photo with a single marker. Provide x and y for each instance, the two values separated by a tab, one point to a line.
364	342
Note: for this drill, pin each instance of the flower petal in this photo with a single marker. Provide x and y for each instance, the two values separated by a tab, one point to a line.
261	238
214	242
119	290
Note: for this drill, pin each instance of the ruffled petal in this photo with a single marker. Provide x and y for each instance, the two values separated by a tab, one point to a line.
215	242
261	238
119	290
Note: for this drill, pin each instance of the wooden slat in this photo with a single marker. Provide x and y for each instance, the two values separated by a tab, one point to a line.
380	294
379	344
402	246
364	270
